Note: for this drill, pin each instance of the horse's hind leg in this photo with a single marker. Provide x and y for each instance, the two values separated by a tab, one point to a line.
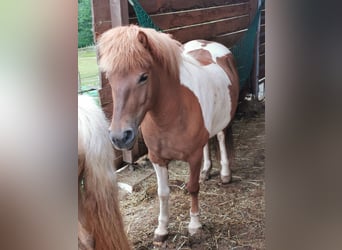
161	233
206	163
193	188
224	138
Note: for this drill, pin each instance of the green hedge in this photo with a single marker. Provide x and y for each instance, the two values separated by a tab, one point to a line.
85	33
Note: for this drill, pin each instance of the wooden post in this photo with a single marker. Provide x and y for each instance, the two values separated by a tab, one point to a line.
119	12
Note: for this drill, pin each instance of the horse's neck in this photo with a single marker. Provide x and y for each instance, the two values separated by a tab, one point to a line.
168	99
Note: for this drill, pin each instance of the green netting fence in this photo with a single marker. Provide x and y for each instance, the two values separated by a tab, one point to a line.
242	50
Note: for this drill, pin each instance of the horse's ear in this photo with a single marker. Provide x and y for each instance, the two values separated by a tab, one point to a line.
143	39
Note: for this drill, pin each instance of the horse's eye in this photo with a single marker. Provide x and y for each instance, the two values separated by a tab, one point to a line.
143	78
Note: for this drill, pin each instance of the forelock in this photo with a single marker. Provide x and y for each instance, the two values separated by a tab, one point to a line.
121	52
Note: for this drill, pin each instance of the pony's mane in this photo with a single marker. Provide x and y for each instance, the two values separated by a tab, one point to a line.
121	51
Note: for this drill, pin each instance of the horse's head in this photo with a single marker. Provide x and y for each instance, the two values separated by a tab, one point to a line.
132	97
128	56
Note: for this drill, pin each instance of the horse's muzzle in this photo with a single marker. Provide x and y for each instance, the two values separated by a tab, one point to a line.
123	140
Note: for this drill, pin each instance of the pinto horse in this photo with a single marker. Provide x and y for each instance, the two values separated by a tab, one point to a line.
100	223
180	95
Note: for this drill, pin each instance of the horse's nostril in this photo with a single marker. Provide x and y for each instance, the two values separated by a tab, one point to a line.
122	140
128	135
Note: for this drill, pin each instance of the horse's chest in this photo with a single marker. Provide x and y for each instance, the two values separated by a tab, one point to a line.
176	142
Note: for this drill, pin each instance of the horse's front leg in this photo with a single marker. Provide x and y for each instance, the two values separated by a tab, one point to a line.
193	188
161	233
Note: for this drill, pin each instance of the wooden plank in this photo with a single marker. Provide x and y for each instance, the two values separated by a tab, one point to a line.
262	37
262	28
262	48
101	17
184	18
262	18
210	29
108	110
262	59
106	95
164	6
229	39
262	71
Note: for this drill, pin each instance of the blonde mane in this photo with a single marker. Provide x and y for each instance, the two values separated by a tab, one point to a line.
100	224
121	51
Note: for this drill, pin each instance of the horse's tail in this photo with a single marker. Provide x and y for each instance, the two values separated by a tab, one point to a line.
229	140
85	240
99	196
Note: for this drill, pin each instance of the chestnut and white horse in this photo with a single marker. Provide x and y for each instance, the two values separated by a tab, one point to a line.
100	223
180	95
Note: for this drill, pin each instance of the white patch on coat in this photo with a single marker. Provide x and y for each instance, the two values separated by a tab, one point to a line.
163	193
192	45
194	224
209	83
215	49
206	159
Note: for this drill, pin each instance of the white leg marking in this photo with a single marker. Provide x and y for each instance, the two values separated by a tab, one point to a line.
225	171
195	223
163	193
206	163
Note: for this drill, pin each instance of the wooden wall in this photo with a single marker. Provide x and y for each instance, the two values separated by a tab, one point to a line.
219	20
224	21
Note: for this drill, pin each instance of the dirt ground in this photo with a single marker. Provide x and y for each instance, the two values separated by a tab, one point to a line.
232	216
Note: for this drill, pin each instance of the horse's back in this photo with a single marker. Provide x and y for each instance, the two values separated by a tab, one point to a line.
214	49
206	72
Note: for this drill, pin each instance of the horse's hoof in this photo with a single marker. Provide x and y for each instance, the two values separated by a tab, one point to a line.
226	179
204	176
194	230
160	240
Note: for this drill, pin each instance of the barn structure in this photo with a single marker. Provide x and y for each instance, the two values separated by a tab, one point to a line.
224	21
